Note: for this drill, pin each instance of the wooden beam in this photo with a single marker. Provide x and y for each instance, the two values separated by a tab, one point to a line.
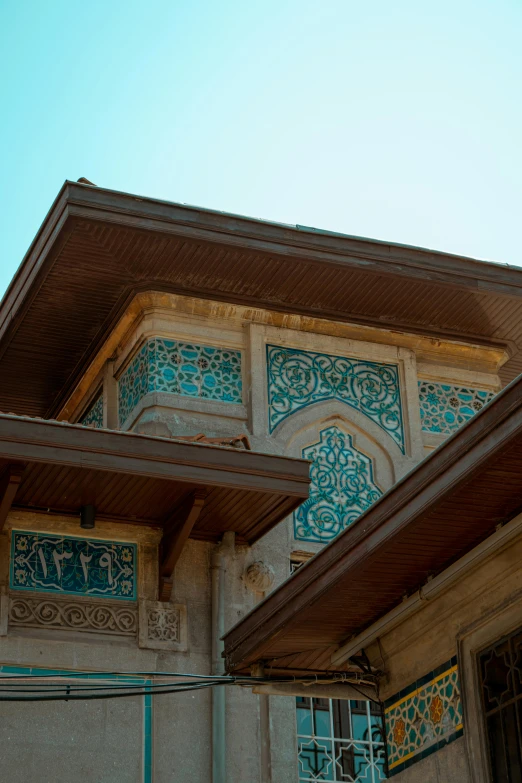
177	531
37	440
9	483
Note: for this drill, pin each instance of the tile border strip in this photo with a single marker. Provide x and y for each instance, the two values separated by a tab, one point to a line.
450	708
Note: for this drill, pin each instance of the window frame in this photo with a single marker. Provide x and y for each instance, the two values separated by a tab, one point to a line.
484	633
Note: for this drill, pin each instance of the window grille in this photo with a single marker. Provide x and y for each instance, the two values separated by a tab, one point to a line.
340	741
500	670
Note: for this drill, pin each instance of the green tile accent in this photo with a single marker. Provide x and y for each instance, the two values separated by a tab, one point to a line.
423	717
445	408
298	378
41	562
93	417
342	487
175	367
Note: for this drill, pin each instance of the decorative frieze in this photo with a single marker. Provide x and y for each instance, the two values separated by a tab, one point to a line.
80	615
298	378
423	717
342	487
175	367
73	566
444	408
93	417
163	626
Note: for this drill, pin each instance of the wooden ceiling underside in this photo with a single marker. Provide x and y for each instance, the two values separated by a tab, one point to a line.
98	248
146	480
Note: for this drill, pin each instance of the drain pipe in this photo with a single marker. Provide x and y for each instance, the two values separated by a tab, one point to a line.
258	670
218	567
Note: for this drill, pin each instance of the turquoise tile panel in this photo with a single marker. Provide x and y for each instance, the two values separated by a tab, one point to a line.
298	378
342	487
444	408
175	367
73	566
423	717
94	415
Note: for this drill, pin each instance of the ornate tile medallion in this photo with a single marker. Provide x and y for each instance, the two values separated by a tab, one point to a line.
423	717
445	408
180	368
93	417
73	566
300	378
342	487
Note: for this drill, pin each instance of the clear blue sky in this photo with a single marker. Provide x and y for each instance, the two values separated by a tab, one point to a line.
396	120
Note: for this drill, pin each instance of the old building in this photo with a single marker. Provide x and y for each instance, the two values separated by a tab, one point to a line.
197	403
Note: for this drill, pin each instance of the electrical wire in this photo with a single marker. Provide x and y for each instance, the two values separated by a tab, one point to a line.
89	696
72	686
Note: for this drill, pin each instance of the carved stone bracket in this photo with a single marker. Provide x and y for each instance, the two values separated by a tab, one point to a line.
163	626
31	611
259	577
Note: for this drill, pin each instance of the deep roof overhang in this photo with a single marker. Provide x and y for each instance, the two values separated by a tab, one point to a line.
440	511
141	479
97	248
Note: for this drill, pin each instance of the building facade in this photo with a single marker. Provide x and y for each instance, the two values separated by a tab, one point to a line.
363	400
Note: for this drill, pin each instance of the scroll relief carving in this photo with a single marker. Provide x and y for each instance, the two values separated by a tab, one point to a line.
90	616
163	626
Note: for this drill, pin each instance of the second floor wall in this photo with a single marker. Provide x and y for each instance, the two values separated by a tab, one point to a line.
364	405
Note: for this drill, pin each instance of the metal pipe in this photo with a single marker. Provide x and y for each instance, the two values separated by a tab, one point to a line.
218	567
264	727
258	670
340	690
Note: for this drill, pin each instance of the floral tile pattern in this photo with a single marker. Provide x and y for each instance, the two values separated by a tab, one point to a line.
73	566
300	378
423	717
180	368
134	383
445	408
342	487
93	417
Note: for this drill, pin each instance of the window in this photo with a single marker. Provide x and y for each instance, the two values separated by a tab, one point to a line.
500	673
340	741
297	559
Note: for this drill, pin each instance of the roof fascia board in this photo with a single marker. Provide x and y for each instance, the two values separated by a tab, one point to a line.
34	260
34	440
372	255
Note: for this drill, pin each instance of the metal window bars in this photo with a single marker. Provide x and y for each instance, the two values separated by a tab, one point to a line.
340	741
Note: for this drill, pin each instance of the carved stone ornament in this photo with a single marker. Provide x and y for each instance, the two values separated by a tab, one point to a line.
74	615
163	626
259	577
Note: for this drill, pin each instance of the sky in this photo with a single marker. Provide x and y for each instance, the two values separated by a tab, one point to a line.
399	121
